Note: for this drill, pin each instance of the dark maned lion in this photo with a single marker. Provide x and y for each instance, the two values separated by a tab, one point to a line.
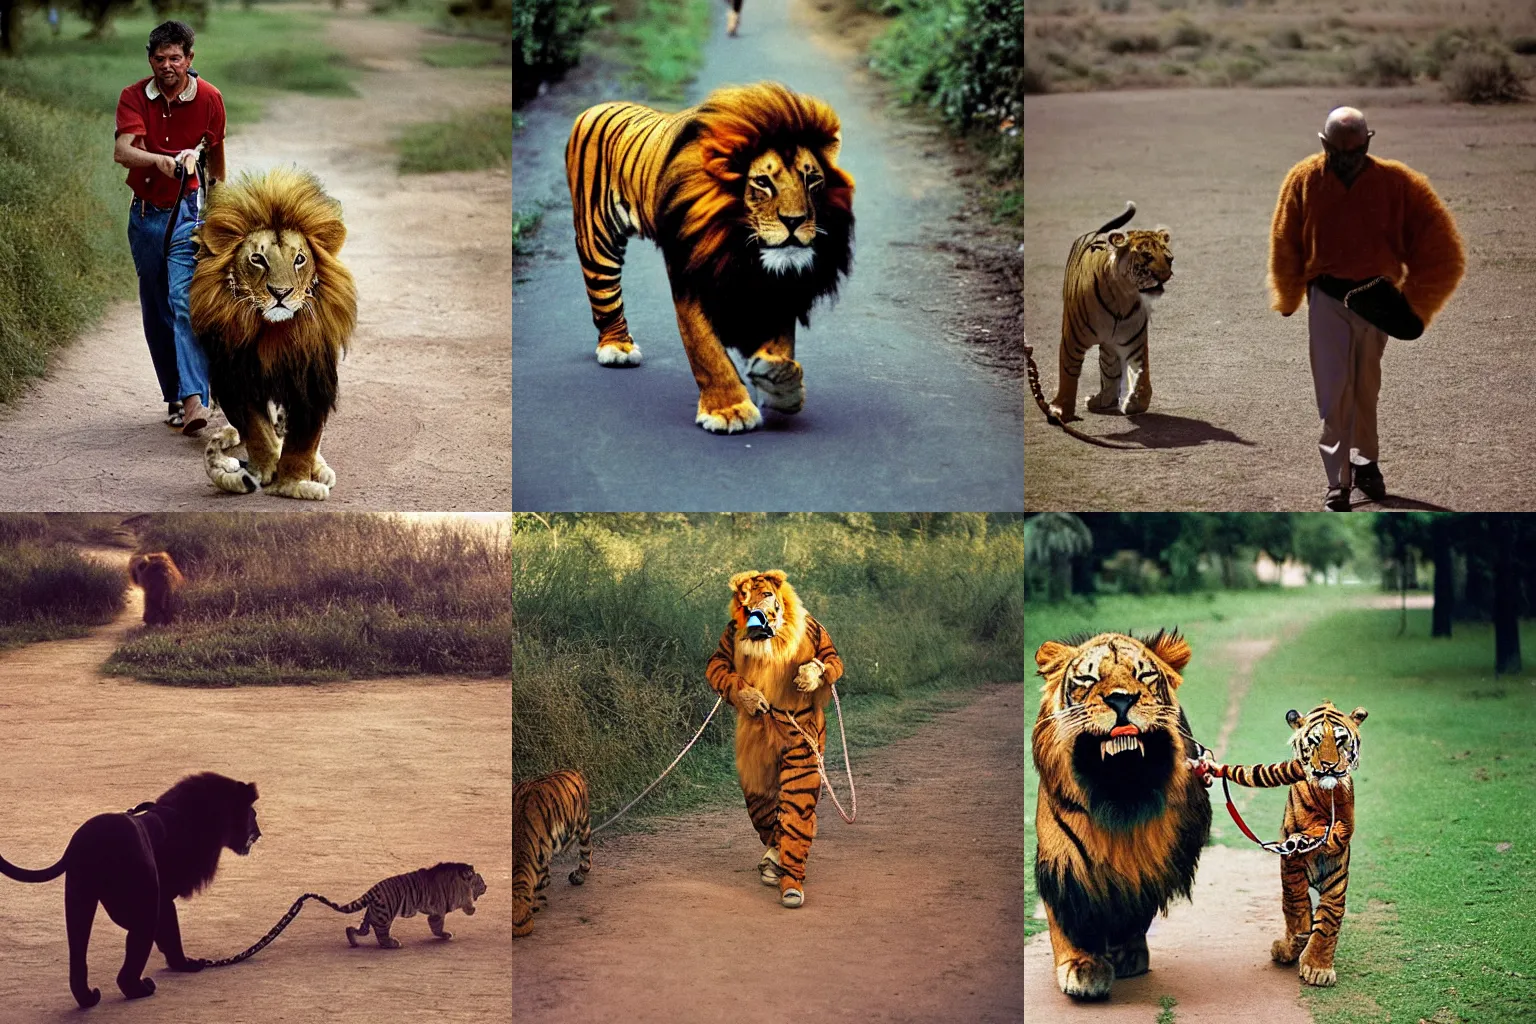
136	864
158	575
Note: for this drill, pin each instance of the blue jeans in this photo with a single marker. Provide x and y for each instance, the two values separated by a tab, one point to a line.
179	361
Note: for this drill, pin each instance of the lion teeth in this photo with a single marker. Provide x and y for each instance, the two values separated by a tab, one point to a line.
1119	745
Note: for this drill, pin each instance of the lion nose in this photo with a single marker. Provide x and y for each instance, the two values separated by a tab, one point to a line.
1121	702
280	293
791	222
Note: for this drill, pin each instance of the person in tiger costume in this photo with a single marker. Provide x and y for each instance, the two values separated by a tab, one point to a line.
1321	803
548	814
1122	815
776	665
1374	251
754	219
1106	301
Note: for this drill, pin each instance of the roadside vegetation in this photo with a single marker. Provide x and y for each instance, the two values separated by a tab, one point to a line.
300	599
1477	53
50	591
471	140
615	617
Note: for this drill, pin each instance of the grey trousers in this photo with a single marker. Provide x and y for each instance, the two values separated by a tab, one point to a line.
1346	373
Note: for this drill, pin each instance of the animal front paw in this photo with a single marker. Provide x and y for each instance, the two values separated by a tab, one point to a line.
1136	404
309	490
808	678
729	419
228	474
1064	412
136	989
88	998
388	942
1103	402
1286	950
619	353
1322	977
323	473
1086	977
1131	959
190	965
780	381
750	700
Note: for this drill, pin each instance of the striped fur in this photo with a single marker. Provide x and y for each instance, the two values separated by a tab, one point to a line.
548	814
754	219
435	891
1106	302
780	688
1326	743
1121	817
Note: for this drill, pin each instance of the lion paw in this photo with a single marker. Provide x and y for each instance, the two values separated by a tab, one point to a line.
731	419
1065	412
310	490
323	473
750	700
781	382
227	474
1131	959
619	353
1086	977
808	678
1285	951
1322	977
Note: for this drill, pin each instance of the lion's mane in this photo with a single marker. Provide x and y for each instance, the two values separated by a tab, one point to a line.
156	572
279	359
201	814
702	225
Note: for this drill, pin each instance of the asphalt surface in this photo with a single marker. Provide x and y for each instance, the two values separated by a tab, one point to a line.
898	415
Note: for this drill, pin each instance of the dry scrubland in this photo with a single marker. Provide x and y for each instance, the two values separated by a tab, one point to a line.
1479	49
283	599
47	590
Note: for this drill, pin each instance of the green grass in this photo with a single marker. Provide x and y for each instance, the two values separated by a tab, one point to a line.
468	141
50	592
466	53
1165	1014
524	226
63	204
661	42
614	627
1210	619
1435	927
279	599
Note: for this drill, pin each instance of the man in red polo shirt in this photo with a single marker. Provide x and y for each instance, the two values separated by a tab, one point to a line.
160	121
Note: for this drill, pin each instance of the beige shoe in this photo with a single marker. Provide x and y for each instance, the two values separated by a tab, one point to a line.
768	868
194	415
732	21
792	898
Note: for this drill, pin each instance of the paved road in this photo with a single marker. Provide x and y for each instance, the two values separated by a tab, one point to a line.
897	415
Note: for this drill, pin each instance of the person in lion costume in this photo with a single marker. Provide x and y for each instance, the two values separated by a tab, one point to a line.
1121	816
274	309
753	216
776	665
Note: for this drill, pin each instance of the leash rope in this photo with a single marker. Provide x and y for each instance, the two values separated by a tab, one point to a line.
1057	421
821	766
1289	847
266	939
675	760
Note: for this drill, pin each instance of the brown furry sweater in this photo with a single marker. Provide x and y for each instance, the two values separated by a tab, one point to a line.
1388	223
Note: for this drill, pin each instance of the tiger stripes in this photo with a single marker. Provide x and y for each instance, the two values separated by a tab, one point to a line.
1104	303
548	814
434	891
1327	746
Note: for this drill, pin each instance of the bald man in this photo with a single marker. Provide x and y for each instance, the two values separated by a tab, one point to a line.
1374	252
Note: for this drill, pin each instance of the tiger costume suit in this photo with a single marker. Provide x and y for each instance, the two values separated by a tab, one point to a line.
1327	746
779	677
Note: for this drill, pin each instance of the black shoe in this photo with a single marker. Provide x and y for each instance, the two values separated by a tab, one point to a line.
1337	500
1368	479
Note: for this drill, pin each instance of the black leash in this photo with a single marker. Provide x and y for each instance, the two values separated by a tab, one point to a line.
181	191
277	930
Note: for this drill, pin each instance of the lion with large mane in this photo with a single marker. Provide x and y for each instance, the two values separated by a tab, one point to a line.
136	863
157	574
753	216
274	308
1121	816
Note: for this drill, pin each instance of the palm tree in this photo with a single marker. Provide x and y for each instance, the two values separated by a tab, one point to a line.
1055	538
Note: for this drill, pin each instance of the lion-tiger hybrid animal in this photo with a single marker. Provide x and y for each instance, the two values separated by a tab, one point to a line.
1121	816
1106	301
157	574
436	891
135	865
274	308
752	214
1326	743
548	814
777	669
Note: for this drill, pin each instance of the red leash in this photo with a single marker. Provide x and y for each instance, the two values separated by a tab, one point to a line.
1293	845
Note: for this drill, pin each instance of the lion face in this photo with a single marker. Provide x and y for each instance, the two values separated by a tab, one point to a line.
275	271
759	592
1327	741
243	831
1110	705
781	198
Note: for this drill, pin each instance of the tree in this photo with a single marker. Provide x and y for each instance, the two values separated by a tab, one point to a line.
1442	536
1506	608
1055	538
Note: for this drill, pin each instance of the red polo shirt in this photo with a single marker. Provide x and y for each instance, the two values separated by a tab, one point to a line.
168	125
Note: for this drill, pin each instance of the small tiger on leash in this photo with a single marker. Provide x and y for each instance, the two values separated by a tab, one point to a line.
435	891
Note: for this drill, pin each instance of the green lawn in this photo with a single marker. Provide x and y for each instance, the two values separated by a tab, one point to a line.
1438	926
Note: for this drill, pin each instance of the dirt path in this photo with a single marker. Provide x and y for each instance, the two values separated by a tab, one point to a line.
899	413
358	781
424	420
912	915
1233	424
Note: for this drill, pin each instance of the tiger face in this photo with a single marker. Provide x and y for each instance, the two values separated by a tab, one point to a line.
781	195
1110	705
1327	741
759	592
275	272
475	886
1145	258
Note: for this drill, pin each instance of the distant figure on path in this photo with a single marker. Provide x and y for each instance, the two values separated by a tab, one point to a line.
733	18
1376	253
